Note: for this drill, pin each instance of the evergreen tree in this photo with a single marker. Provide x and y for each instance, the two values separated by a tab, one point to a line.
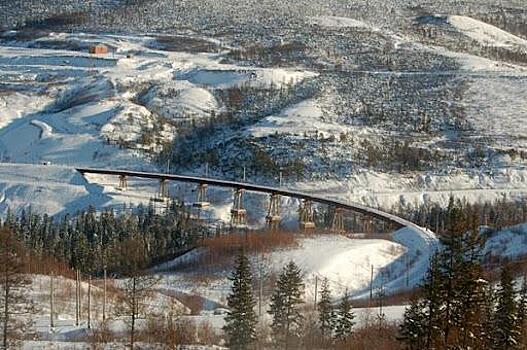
506	330
413	332
326	313
285	302
241	321
461	284
522	306
522	312
423	320
487	314
473	292
344	322
432	303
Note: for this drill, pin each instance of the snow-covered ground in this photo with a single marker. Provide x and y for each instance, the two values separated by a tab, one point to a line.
336	22
485	33
345	262
75	107
510	242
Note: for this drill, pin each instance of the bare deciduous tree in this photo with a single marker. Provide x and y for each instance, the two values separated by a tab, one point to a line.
13	287
137	287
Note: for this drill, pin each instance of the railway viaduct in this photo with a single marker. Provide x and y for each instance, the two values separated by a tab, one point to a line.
238	211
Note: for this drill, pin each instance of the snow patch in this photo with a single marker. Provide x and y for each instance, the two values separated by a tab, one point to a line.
484	33
338	22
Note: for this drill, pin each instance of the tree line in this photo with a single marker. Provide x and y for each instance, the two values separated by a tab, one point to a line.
491	215
91	241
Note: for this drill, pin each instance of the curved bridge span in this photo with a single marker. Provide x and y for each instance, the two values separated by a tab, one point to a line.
378	214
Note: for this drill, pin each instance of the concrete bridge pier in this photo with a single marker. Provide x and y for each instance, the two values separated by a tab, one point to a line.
123	182
337	223
367	223
238	212
201	198
273	217
306	215
163	189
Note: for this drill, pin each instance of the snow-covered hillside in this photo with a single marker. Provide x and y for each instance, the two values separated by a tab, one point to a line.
70	107
346	263
64	106
485	33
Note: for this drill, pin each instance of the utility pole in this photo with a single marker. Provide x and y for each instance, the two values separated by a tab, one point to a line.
104	297
371	283
316	292
89	302
51	321
407	271
77	298
260	288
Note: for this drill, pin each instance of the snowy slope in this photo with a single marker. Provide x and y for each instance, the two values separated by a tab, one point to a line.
338	22
47	189
73	104
484	33
345	262
304	117
510	242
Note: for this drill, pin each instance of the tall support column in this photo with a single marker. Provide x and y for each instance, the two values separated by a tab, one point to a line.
367	223
337	223
163	188
201	198
306	215
238	212
123	182
273	213
354	226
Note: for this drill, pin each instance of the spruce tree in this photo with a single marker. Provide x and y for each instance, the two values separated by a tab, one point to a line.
485	336
461	284
241	320
285	302
344	322
412	331
506	330
432	303
522	312
326	313
522	306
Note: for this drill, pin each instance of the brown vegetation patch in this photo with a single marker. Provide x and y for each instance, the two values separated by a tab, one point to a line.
222	248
